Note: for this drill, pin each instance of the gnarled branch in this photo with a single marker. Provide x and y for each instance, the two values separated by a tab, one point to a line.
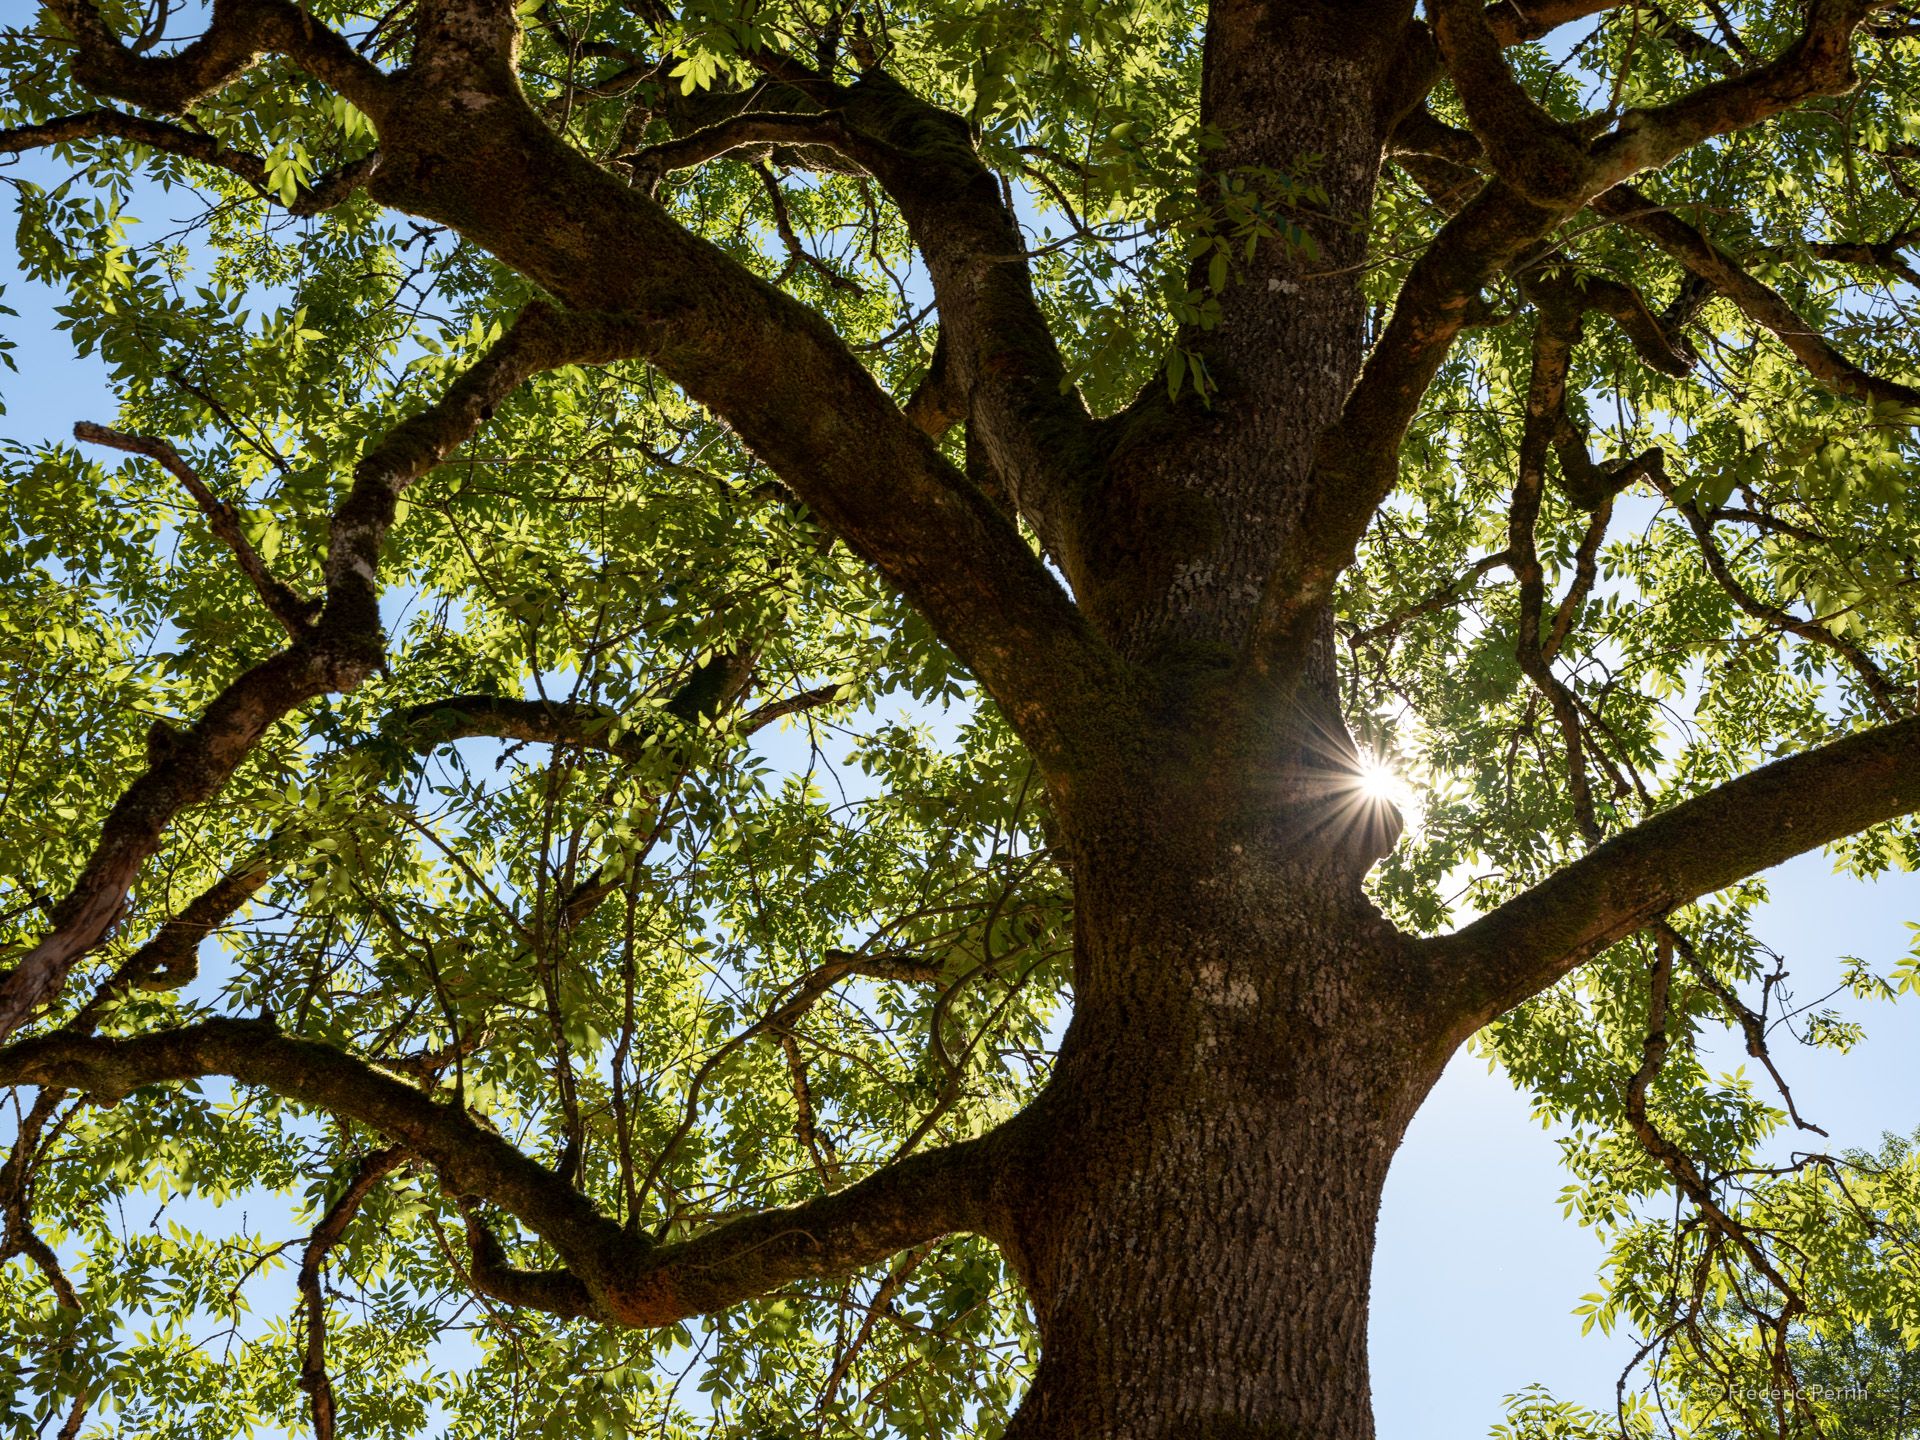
630	1280
239	33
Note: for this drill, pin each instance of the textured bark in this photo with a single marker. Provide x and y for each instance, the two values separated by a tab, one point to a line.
1200	501
1194	1214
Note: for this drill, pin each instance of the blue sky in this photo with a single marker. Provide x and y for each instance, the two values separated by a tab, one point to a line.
1477	1272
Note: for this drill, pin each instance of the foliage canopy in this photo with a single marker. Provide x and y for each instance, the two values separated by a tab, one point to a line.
668	843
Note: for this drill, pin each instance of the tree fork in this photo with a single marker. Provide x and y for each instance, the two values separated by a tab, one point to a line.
1191	1199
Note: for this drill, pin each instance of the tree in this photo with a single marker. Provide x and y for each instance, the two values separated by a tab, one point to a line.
544	404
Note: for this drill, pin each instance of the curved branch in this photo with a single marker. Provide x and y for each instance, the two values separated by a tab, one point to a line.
171	959
1881	692
558	1292
1761	303
630	1280
295	612
1420	138
337	653
1673	858
239	33
1627	308
490	168
1544	172
1555	334
1000	362
1818	63
1515	23
756	130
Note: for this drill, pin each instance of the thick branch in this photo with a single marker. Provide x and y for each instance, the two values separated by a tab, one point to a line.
1000	353
1627	308
240	32
171	958
1818	63
789	386
1549	161
1544	173
1514	22
558	1292
630	1280
1673	858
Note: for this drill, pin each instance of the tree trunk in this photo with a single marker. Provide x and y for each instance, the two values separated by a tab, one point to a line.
1193	1210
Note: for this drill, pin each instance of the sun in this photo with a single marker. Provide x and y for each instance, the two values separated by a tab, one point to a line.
1380	783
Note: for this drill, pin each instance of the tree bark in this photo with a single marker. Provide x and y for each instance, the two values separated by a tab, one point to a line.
1193	1204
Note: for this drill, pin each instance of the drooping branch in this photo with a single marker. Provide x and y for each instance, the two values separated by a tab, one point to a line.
336	653
1673	858
1752	1023
629	1280
780	1020
18	1237
168	960
1442	597
1881	693
1674	1160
